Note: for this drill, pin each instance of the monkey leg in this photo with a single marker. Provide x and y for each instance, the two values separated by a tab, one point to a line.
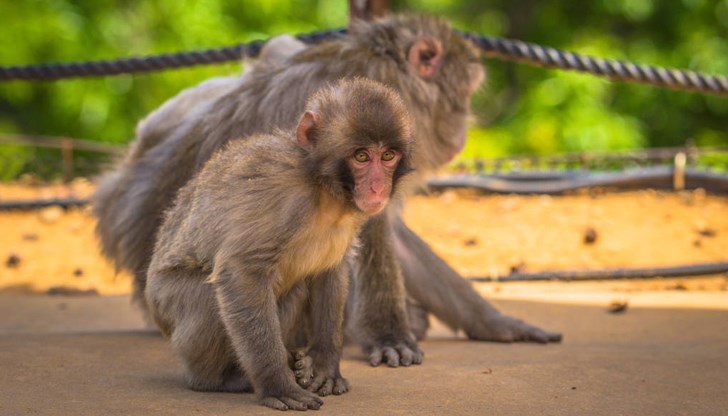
296	333
378	318
250	313
184	308
327	293
440	290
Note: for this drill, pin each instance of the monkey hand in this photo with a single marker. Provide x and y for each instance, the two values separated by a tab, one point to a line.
321	379
290	396
394	352
501	328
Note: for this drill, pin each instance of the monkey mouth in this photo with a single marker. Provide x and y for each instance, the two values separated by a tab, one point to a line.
372	205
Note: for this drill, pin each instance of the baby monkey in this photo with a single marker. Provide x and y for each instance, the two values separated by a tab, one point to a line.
252	253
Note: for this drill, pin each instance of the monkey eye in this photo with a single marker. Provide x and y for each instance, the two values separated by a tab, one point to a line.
361	156
388	155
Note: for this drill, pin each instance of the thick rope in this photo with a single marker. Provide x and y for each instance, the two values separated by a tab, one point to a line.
505	49
537	55
51	72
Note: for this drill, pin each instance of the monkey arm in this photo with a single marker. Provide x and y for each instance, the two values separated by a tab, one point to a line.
441	290
379	318
248	308
327	300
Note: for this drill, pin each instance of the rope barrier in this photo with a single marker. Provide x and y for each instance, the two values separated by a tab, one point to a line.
134	65
537	55
551	183
505	49
693	270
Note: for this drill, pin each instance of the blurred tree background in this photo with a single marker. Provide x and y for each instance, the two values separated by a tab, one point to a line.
521	109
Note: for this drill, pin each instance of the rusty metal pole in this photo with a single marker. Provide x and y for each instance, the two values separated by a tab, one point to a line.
367	9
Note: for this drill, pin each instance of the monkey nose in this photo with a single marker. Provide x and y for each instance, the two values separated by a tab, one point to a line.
378	187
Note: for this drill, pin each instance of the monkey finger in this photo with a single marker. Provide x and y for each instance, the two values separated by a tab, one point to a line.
316	383
293	404
274	403
392	356
418	356
326	388
375	357
406	355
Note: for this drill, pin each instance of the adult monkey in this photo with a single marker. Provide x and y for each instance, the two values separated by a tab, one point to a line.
435	70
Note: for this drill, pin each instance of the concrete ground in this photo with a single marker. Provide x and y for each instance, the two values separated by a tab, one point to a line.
92	356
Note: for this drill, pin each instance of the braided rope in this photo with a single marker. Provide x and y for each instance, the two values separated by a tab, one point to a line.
50	72
529	53
505	49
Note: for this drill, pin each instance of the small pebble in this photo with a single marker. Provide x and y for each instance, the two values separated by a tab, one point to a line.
13	261
618	306
590	236
470	242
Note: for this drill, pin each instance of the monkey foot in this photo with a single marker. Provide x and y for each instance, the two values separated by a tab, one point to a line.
502	328
324	386
302	366
405	352
298	399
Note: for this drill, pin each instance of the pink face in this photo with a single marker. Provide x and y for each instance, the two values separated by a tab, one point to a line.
373	169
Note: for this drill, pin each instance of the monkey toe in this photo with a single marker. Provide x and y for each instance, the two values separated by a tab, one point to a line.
303	370
325	386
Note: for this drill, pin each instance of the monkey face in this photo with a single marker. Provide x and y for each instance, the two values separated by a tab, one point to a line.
373	170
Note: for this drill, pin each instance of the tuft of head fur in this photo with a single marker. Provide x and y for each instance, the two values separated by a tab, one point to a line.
355	113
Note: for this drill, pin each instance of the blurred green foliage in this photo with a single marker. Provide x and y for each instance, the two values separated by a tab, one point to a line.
521	109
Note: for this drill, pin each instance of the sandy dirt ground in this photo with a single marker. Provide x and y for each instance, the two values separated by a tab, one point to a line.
55	251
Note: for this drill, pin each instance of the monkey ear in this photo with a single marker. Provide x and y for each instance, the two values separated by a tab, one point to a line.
306	131
425	56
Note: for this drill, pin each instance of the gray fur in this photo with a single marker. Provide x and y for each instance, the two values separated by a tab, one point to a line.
251	255
174	141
